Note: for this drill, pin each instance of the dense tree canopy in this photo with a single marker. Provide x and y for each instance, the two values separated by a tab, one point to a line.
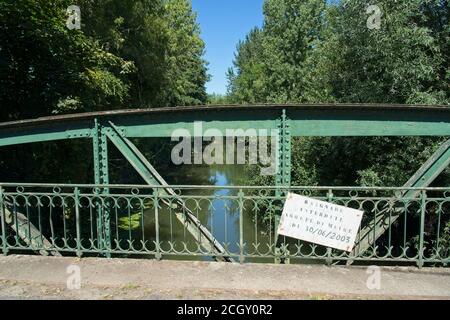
128	53
148	53
317	51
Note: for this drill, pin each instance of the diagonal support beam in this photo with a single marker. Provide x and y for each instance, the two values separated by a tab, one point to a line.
24	229
429	171
152	177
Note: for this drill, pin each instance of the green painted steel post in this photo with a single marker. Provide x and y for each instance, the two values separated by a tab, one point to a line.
283	178
101	175
423	209
158	255
77	220
105	181
278	192
97	180
287	151
241	227
3	221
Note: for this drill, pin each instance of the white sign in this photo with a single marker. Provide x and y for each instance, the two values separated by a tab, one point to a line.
320	222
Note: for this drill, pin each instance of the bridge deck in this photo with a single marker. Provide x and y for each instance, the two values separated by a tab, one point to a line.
32	277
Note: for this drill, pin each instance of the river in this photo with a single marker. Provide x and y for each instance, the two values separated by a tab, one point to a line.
219	215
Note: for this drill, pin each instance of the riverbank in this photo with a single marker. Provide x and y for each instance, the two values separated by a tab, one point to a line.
35	277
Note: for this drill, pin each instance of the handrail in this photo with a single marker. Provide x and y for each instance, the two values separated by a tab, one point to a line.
146	186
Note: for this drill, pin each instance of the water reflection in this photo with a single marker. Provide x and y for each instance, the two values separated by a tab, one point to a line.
217	209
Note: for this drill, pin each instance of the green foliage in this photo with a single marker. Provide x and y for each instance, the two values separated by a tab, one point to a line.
317	51
162	40
403	62
186	70
272	64
248	85
135	31
217	99
130	223
311	51
445	240
127	54
47	68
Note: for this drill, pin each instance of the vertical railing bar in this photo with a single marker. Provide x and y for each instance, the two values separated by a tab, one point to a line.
405	227
185	222
241	227
212	216
77	220
375	231
438	233
41	236
116	218
50	217
91	227
226	229
16	221
329	259
390	231
129	221
99	223
142	224
171	226
270	235
197	210
256	226
158	255
3	221
420	261
27	210
64	220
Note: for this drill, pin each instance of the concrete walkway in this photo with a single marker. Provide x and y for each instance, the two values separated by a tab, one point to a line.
35	277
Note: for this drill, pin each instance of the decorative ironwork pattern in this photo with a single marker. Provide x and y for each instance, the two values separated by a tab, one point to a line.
68	219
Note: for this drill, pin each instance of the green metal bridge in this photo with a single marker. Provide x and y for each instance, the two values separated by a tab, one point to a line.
85	220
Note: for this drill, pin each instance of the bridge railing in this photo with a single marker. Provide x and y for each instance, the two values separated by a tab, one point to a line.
140	221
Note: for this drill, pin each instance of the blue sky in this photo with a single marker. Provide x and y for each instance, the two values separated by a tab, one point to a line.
223	24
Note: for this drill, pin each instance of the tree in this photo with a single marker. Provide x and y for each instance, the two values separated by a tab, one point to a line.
136	31
313	51
47	68
127	54
186	71
217	99
272	64
248	84
292	30
402	62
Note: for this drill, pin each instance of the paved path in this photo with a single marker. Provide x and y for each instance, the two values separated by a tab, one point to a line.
35	277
